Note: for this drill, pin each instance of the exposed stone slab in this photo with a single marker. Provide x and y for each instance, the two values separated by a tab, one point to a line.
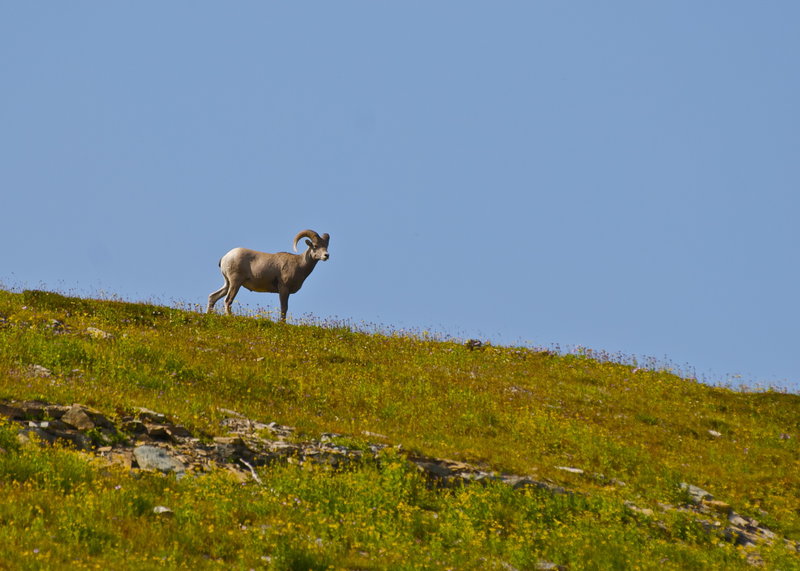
159	459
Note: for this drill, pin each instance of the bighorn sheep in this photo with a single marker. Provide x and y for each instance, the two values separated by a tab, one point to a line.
282	273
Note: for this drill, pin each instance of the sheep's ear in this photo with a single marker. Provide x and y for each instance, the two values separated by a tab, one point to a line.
309	244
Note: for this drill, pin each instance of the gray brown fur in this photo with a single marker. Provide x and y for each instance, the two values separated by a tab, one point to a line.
282	273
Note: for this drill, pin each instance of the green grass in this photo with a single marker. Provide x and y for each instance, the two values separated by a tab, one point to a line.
514	410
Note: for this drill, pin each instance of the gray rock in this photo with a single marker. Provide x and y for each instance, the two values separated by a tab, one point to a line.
85	418
443	470
39	371
76	438
34	434
634	508
78	418
163	511
147	415
230	413
284	449
157	431
55	410
280	430
696	494
177	432
739	537
134	427
158	459
98	333
33	409
767	534
231	448
520	483
12	411
570	470
49	424
49	435
736	520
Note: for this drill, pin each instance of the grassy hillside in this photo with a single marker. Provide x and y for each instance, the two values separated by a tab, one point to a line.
636	435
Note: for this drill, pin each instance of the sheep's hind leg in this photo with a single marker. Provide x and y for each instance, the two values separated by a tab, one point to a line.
215	297
233	289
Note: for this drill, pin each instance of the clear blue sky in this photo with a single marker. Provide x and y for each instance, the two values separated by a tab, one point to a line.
623	176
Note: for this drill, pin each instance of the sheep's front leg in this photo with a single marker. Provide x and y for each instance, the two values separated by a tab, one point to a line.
284	297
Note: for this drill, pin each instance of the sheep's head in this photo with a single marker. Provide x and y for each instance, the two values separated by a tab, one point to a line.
317	243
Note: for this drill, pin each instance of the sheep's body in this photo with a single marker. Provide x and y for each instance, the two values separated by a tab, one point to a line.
282	273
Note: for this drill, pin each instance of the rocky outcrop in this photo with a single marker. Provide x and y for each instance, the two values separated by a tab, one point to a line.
734	527
148	440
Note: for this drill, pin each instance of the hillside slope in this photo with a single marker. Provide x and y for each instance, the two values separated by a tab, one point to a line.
630	438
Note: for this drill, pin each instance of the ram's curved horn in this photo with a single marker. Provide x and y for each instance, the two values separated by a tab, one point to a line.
304	234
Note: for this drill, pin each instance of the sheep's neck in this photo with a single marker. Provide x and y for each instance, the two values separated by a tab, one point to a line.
308	263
